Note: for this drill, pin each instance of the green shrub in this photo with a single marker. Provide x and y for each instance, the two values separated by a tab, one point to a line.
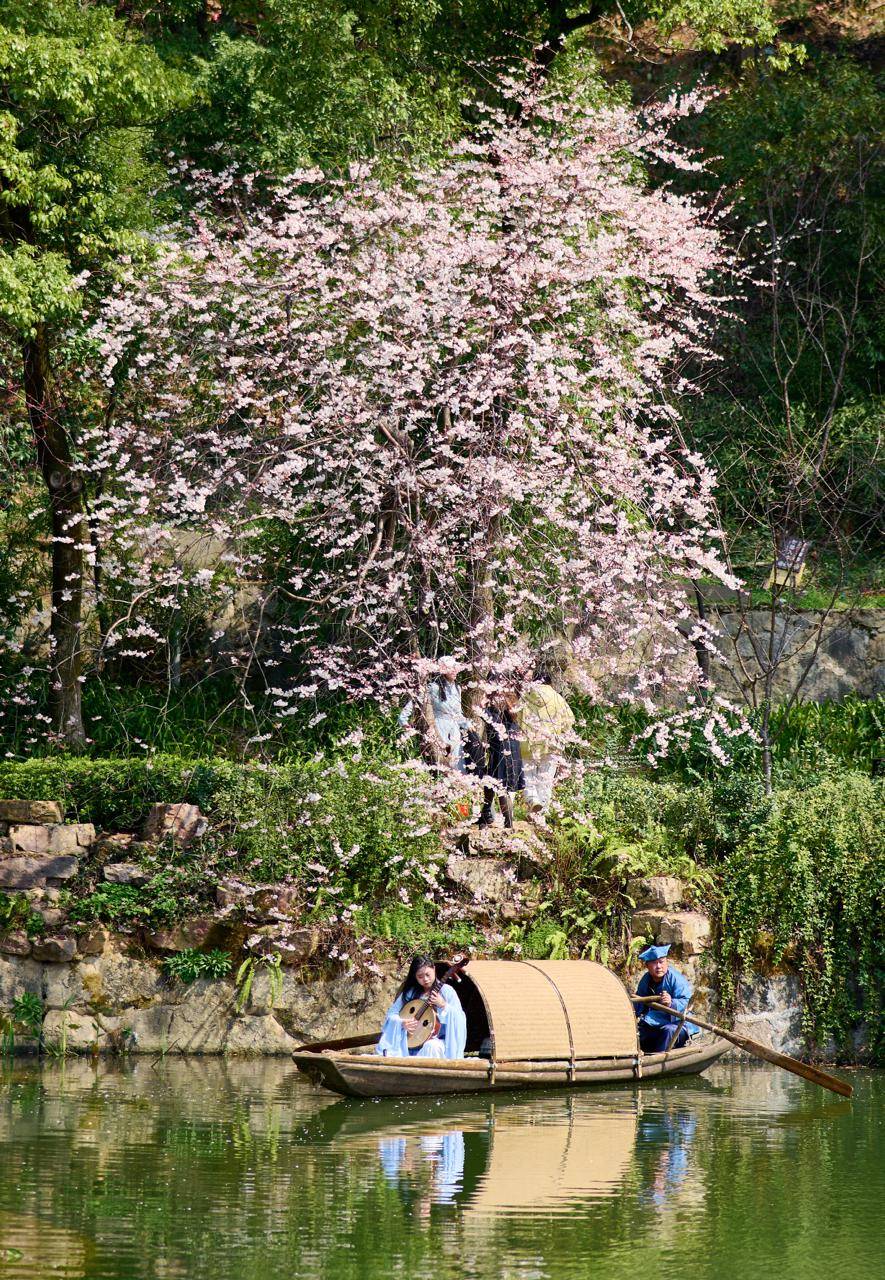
418	928
813	734
114	794
191	964
27	1010
805	736
796	878
208	719
172	894
352	833
16	912
810	879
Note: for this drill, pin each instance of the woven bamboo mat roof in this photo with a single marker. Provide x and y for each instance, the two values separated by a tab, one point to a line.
555	1009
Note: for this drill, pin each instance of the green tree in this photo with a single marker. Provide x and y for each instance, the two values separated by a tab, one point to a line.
288	82
78	92
793	418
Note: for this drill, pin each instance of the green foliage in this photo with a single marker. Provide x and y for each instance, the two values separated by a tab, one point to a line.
713	25
27	1010
327	81
313	81
356	833
543	939
79	90
192	722
417	927
813	734
642	827
807	886
114	794
16	912
796	878
189	965
170	895
848	732
617	828
350	833
26	1014
794	418
246	976
209	719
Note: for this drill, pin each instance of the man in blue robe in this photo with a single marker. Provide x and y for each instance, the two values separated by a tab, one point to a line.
656	1028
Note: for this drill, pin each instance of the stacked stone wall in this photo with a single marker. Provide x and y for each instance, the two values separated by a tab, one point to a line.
111	992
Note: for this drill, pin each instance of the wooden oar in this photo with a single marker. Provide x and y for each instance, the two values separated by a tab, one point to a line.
826	1081
350	1042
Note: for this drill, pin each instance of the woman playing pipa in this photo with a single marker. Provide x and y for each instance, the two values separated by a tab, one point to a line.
426	1019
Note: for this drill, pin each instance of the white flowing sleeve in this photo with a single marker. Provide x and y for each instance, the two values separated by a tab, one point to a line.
394	1042
454	1024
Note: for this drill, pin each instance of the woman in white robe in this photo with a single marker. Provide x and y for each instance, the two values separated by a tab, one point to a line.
452	1037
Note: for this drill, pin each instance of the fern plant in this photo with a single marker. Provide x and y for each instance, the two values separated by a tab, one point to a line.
246	976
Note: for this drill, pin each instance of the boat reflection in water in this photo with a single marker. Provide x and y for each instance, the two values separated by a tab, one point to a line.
524	1157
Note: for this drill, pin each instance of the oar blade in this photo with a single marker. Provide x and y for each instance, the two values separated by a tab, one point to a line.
803	1069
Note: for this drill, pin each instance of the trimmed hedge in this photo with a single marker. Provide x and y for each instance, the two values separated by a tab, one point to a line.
116	794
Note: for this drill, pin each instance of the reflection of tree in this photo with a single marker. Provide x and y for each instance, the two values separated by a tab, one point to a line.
218	1171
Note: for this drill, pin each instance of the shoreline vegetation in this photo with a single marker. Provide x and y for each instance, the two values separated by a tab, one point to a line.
340	343
348	861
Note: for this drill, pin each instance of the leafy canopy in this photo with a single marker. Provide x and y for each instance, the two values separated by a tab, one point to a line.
80	92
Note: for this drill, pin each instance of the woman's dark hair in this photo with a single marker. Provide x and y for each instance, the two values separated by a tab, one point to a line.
544	672
410	982
445	685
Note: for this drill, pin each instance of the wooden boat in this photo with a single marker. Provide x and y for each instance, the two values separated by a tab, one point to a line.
544	1024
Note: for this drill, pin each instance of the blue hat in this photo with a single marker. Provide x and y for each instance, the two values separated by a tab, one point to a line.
654	953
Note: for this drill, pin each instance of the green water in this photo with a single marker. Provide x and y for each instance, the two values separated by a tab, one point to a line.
241	1171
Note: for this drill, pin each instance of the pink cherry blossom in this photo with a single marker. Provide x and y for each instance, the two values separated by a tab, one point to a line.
437	416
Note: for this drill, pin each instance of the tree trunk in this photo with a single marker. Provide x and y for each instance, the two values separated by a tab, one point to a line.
65	488
481	619
702	653
765	741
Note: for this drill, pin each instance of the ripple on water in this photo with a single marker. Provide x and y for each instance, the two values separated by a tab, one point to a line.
214	1170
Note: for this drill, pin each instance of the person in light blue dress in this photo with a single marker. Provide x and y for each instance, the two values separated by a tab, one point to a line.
452	1037
449	720
658	1030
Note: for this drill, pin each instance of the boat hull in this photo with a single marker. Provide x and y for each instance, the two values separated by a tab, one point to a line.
369	1076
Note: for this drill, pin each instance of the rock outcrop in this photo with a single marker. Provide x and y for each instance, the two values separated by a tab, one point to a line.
116	1001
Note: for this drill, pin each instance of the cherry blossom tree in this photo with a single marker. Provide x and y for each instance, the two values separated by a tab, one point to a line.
447	405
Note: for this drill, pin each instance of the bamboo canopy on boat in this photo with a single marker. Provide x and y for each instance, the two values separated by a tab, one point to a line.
558	1009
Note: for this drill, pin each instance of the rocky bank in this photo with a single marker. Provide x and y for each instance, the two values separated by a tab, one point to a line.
105	992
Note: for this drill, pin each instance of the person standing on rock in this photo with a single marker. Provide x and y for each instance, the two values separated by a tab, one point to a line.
671	988
545	721
449	721
504	774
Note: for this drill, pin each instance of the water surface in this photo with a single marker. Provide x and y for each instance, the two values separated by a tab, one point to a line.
213	1170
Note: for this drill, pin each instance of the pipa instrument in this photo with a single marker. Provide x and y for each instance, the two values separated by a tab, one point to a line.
423	1011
